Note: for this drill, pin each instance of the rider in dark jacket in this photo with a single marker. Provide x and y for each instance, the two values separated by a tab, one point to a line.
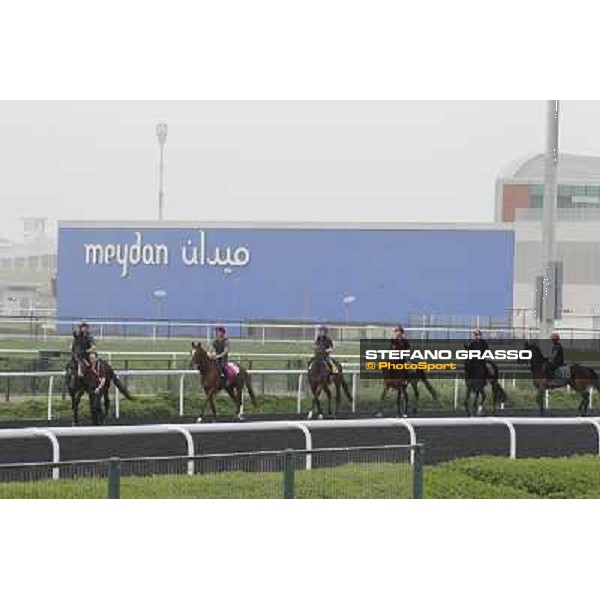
398	341
82	343
324	347
221	350
557	356
478	343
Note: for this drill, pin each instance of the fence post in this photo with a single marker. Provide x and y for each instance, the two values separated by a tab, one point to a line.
418	472
50	386
456	393
353	392
288	474
117	404
299	395
181	395
114	479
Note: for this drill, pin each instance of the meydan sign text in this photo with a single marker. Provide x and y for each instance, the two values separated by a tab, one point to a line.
138	253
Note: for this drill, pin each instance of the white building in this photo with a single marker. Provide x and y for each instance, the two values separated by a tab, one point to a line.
27	271
519	199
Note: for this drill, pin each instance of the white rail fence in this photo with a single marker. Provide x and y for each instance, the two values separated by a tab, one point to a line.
411	426
300	394
53	328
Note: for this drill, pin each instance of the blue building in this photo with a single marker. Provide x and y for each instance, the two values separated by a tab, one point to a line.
283	272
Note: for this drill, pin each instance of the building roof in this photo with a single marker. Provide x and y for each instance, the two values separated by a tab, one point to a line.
573	169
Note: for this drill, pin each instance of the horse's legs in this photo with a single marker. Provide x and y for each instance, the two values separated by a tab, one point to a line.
482	401
467	398
328	392
404	389
415	387
540	400
213	406
236	395
337	394
106	401
585	402
381	399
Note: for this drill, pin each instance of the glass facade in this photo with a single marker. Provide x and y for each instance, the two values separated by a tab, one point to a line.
569	196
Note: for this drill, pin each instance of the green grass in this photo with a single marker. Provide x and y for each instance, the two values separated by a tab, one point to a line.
348	481
470	478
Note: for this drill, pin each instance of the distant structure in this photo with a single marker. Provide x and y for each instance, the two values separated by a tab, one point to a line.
28	271
520	189
520	199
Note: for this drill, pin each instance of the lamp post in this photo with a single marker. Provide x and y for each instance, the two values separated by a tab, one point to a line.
160	296
549	267
161	134
347	301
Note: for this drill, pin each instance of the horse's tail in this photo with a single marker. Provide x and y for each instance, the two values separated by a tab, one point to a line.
121	386
344	385
499	391
248	382
429	387
595	381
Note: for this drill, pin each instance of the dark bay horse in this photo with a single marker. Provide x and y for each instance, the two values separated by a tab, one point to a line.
77	385
477	375
581	379
319	379
414	378
398	381
210	379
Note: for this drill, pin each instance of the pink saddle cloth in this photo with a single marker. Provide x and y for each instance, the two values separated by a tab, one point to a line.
231	372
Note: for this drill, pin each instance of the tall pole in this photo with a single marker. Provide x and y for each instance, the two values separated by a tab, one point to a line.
161	134
549	220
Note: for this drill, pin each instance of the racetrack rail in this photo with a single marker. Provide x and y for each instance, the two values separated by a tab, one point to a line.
443	438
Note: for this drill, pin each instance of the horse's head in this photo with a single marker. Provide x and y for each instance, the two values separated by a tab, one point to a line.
199	354
536	353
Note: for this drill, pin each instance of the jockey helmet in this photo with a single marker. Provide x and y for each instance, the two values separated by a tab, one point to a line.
555	336
84	324
400	328
323	329
220	328
477	332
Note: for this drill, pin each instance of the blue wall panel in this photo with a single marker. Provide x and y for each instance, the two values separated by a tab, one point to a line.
286	274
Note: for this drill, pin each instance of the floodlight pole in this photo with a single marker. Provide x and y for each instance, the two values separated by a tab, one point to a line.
161	134
549	220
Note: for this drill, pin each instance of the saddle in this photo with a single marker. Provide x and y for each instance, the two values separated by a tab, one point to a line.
560	376
231	372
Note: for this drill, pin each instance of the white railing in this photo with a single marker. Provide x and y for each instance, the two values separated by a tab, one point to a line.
182	373
54	434
52	376
163	329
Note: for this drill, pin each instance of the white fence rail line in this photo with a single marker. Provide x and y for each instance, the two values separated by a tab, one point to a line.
54	434
182	373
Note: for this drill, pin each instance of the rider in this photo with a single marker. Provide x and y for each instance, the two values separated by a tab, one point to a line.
478	343
398	341
100	368
324	347
221	351
83	342
557	356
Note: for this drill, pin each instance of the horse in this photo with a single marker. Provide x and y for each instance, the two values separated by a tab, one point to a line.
319	378
581	379
211	382
399	381
477	376
414	378
77	385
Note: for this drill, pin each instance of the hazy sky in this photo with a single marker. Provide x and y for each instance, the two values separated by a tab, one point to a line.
413	161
